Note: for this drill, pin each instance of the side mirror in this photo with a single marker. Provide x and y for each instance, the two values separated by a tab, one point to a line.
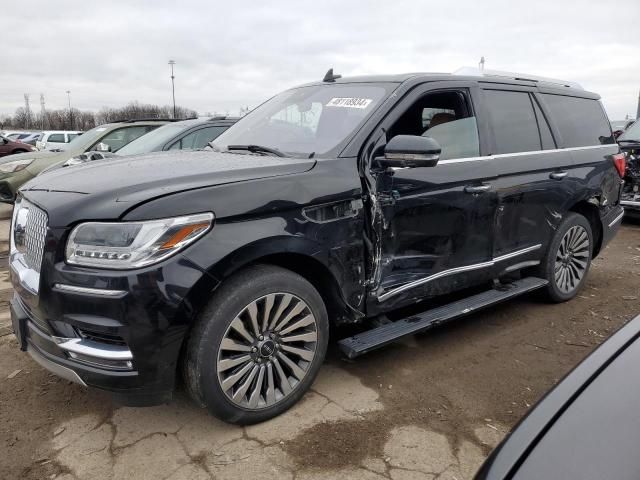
103	147
410	151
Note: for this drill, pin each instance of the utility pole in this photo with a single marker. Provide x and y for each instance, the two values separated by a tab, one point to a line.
43	111
173	87
481	64
70	111
638	111
27	110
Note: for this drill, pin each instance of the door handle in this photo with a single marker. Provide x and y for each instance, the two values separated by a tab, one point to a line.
558	175
475	189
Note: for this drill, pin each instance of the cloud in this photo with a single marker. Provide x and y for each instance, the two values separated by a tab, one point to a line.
231	54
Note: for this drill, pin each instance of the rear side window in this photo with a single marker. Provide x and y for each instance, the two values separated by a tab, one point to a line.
581	121
515	128
56	138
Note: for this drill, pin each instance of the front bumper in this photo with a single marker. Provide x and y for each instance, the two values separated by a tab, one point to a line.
126	344
631	208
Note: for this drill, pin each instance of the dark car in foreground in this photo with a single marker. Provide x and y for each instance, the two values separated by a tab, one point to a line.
630	144
339	202
192	134
586	428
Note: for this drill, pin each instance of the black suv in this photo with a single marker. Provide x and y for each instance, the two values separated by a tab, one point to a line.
339	202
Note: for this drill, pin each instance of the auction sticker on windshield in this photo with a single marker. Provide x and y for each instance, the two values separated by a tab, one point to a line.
349	102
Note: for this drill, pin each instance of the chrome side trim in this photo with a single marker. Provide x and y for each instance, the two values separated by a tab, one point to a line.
94	349
453	271
55	368
516	253
101	292
629	203
520	154
617	219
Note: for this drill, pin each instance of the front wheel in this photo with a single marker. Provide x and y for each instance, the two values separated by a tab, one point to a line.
568	259
258	345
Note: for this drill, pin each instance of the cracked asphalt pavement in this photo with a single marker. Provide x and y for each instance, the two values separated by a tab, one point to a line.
430	407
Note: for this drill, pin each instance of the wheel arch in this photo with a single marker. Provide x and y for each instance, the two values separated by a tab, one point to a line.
590	210
300	255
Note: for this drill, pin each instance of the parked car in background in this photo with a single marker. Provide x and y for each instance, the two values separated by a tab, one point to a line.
345	201
620	126
586	428
109	137
629	142
32	138
193	134
15	136
10	147
56	140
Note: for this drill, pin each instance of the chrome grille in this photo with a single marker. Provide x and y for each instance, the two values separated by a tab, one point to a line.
30	237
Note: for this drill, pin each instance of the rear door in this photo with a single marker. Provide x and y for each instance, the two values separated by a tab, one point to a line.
532	175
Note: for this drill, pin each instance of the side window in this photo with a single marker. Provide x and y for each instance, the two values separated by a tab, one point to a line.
513	121
198	139
447	118
581	121
545	132
56	138
118	138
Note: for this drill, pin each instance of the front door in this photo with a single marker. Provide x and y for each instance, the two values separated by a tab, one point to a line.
437	230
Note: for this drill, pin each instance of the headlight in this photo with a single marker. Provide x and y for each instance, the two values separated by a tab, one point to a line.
123	245
15	166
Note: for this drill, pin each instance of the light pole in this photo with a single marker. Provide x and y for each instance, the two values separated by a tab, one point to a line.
173	87
70	111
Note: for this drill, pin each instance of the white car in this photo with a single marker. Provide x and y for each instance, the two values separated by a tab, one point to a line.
56	140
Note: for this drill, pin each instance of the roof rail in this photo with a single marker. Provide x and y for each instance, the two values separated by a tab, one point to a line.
476	72
151	119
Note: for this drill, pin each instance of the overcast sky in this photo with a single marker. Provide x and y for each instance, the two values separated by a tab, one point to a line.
232	54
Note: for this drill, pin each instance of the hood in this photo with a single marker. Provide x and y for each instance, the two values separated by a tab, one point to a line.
107	188
36	155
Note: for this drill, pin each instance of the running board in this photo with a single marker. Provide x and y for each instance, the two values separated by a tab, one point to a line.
380	336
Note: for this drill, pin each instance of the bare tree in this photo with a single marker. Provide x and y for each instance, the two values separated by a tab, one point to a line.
85	120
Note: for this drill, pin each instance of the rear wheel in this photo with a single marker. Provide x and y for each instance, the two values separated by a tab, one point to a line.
258	345
568	259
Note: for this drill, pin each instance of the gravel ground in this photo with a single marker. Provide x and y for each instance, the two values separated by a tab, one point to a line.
432	406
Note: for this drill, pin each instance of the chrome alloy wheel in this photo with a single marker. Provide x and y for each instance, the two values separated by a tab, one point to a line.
572	258
267	350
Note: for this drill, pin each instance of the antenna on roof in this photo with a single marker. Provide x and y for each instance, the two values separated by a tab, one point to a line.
330	77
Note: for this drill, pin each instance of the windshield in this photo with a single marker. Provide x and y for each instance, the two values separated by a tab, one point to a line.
87	138
632	133
153	140
306	120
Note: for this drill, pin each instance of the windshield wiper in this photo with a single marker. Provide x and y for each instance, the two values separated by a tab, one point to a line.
628	140
257	149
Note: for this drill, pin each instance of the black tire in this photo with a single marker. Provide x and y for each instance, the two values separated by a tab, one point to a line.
203	353
19	151
566	287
